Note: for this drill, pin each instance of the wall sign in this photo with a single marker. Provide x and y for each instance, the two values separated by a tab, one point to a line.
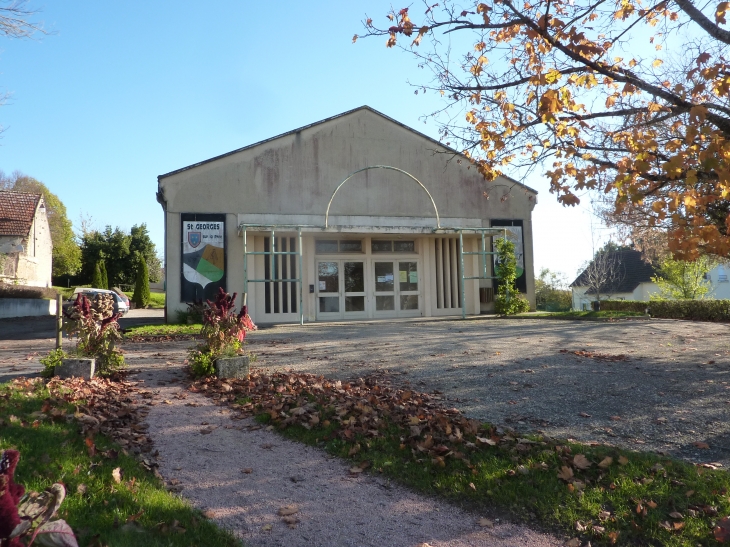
203	256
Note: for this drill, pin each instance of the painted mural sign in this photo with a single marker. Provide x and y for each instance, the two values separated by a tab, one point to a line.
203	256
514	234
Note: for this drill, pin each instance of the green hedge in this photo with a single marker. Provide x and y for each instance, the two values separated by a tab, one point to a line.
697	310
26	291
624	305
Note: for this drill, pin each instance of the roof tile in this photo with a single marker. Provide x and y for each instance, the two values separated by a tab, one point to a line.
17	210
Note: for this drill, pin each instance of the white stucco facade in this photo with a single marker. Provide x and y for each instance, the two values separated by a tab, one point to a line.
28	258
390	248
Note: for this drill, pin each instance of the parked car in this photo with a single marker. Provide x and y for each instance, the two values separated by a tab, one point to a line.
123	297
121	305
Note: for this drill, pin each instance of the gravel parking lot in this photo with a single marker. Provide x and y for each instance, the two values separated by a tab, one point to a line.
641	384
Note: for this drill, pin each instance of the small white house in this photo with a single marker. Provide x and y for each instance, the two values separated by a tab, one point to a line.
357	216
26	250
633	282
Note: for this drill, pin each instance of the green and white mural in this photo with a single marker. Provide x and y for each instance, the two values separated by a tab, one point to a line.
203	255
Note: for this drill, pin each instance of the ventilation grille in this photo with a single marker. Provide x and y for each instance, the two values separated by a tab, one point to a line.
280	297
448	273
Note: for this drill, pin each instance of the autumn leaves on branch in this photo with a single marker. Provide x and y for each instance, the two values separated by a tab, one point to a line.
622	98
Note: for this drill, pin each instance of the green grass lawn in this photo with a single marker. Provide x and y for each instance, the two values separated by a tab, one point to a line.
601	494
163	330
136	512
157	299
66	292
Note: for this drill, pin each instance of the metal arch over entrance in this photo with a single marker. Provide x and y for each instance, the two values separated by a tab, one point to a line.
329	204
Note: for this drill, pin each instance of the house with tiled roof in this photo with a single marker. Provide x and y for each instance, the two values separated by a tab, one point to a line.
633	281
25	240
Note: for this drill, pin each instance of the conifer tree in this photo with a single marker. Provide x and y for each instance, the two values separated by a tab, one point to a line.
97	281
141	295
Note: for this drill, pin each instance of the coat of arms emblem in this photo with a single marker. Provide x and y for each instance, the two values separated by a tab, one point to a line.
194	239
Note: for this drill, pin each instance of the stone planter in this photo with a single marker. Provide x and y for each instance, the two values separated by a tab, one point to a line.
232	367
79	367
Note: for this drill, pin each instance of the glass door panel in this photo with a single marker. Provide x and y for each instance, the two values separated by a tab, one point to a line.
328	277
408	286
354	293
384	273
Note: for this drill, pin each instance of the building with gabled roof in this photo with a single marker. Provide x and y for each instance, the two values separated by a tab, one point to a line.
634	281
26	250
356	216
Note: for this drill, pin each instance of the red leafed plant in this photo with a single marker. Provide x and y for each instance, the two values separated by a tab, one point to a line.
27	518
95	325
224	332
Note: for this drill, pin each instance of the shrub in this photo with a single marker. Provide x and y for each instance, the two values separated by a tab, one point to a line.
26	291
697	310
224	332
194	313
141	296
51	361
96	327
202	362
624	305
508	301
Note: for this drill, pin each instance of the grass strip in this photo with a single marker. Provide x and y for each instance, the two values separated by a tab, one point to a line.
134	511
595	493
156	302
163	330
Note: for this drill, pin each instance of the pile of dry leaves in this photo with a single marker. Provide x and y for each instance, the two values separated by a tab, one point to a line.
102	406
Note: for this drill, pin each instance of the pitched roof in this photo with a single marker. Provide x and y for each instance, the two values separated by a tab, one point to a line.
17	210
634	271
364	107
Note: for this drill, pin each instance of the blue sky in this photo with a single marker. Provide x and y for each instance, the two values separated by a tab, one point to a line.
120	92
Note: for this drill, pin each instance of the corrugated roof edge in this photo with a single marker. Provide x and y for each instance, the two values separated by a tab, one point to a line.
364	107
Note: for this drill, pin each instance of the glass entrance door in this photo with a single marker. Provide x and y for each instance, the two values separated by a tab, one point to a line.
396	288
341	289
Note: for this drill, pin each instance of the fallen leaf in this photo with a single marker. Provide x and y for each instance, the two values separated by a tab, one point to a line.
486	523
623	460
721	531
247	470
287	510
266	528
117	475
676	515
606	462
565	473
701	445
581	462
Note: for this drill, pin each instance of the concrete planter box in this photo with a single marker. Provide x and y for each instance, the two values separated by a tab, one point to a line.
79	367
232	367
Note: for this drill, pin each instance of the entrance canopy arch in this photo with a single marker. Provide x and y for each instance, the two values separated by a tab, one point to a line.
329	204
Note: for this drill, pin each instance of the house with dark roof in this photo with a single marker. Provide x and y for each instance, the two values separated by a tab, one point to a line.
632	280
25	240
616	275
357	216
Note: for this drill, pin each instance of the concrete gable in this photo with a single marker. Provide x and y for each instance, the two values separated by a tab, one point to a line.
296	173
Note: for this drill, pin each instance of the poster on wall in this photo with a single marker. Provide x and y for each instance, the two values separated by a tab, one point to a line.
514	234
203	256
